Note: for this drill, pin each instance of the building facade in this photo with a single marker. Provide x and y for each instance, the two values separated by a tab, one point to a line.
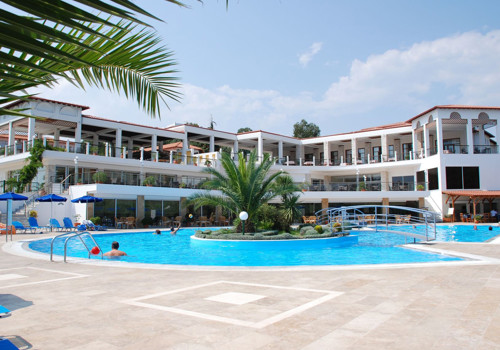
150	171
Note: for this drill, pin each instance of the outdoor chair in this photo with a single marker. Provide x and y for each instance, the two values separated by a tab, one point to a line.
131	222
19	226
202	221
223	221
54	224
68	224
177	220
406	219
34	224
120	223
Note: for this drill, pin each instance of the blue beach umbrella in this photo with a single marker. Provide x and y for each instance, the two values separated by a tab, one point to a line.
86	199
9	197
51	198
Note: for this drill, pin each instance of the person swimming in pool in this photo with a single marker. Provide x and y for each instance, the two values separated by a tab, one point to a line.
157	232
174	230
114	250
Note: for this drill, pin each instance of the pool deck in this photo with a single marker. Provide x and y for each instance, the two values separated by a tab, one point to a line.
58	305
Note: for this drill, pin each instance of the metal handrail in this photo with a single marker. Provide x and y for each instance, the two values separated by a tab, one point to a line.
423	221
74	234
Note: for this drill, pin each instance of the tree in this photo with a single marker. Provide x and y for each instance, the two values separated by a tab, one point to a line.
245	129
289	200
244	186
113	50
303	129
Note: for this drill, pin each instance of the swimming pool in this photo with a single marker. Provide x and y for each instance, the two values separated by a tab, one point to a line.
181	249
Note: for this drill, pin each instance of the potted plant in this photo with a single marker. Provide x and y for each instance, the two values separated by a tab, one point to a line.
208	163
182	185
478	218
362	186
420	187
94	150
77	220
147	221
33	214
100	177
149	181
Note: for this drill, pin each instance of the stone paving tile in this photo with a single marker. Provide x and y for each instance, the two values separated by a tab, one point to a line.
438	307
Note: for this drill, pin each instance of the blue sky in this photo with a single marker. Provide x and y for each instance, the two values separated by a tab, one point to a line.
343	65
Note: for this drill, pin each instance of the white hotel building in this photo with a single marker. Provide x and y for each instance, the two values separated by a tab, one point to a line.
411	163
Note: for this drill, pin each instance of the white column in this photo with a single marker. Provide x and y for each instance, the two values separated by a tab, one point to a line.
12	134
118	143
413	144
280	151
31	128
235	150
299	153
154	147
470	136
212	144
426	141
385	149
439	136
354	150
57	134
185	147
260	148
326	152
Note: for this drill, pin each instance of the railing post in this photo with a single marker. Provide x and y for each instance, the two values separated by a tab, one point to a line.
67	146
106	149
314	161
376	220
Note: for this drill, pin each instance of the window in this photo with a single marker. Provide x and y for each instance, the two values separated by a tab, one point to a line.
462	178
432	175
407	148
451	145
403	183
361	154
348	156
391	151
334	157
376	153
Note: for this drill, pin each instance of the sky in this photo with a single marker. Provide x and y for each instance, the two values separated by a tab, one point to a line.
343	65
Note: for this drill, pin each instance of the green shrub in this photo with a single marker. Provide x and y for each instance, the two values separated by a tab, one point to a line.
96	220
318	228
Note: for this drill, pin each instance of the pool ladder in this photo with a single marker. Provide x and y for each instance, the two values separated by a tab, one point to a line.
70	235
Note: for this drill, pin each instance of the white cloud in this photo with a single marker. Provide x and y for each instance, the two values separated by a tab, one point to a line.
307	56
384	88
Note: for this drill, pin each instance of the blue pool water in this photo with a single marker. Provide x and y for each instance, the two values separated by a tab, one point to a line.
181	249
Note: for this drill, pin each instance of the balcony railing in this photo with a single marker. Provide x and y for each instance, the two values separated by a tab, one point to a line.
455	149
366	186
480	149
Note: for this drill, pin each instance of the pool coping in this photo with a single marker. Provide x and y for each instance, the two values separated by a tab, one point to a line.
21	248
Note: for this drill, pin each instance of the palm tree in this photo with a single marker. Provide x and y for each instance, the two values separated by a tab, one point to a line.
289	200
113	50
244	186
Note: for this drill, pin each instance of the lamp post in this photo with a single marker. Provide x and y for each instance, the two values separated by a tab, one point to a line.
243	217
76	169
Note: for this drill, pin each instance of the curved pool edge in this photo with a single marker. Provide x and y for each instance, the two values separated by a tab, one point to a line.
20	248
333	241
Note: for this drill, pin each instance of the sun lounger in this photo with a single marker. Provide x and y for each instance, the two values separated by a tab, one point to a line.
34	224
4	312
54	224
19	226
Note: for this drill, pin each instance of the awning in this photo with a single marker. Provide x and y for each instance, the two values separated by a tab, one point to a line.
475	196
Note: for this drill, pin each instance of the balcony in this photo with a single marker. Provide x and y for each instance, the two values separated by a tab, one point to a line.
369	186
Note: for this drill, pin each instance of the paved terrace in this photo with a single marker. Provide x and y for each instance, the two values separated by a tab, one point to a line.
84	306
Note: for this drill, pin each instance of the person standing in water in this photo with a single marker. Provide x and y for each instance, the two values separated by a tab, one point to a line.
114	250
